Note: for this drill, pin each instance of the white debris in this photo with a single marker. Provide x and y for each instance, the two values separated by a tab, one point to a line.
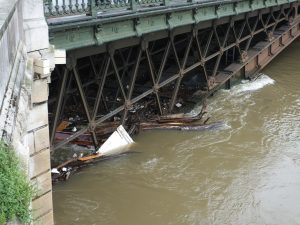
120	138
54	170
64	169
178	105
74	129
117	118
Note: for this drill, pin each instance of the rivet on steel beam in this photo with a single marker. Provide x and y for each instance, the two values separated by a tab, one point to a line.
181	74
128	104
155	88
222	50
92	126
202	62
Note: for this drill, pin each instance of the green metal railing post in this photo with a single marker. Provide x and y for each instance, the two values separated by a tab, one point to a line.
166	2
50	7
133	5
93	8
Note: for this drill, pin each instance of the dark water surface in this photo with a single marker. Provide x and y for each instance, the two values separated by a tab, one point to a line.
246	173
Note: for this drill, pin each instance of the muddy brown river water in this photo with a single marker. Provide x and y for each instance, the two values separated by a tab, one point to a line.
245	173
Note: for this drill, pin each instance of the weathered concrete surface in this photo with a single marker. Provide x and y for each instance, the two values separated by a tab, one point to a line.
25	64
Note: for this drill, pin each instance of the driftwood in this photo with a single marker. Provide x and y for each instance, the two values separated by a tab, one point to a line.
74	165
86	139
69	167
119	139
141	119
181	126
179	121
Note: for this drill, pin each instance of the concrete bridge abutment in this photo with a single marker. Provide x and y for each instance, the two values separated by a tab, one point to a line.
26	63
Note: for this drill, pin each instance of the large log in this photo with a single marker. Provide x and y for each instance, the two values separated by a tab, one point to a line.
181	127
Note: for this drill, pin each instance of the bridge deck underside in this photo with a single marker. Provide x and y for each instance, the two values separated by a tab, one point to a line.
127	82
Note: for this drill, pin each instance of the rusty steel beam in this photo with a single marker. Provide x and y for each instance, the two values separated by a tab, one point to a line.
132	83
58	105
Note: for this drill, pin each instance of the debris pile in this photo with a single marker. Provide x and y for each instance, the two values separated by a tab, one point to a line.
115	144
112	136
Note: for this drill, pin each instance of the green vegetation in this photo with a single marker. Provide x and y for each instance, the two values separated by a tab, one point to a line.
15	190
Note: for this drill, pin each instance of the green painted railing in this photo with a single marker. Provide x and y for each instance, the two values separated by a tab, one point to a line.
102	22
63	8
59	8
56	8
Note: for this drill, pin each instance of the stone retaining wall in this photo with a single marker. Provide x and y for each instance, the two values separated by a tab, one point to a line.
26	62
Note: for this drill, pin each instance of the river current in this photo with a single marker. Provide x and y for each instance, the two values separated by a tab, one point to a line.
246	173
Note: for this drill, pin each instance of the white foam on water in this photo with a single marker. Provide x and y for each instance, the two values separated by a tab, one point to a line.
246	86
250	86
150	164
225	127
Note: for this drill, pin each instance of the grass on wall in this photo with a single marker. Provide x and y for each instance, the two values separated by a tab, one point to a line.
15	190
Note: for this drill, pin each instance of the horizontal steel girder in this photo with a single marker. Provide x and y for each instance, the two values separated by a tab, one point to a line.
92	31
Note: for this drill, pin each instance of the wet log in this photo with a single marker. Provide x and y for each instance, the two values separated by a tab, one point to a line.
90	158
181	117
184	119
181	127
172	116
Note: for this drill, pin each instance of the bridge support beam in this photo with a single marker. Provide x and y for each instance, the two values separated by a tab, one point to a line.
123	75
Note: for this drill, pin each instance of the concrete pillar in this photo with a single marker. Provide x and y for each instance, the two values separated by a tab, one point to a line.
35	26
25	66
39	63
38	140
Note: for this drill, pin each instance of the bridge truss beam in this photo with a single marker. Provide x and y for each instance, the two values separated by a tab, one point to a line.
112	83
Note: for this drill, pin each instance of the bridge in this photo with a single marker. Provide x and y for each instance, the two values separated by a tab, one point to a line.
109	59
